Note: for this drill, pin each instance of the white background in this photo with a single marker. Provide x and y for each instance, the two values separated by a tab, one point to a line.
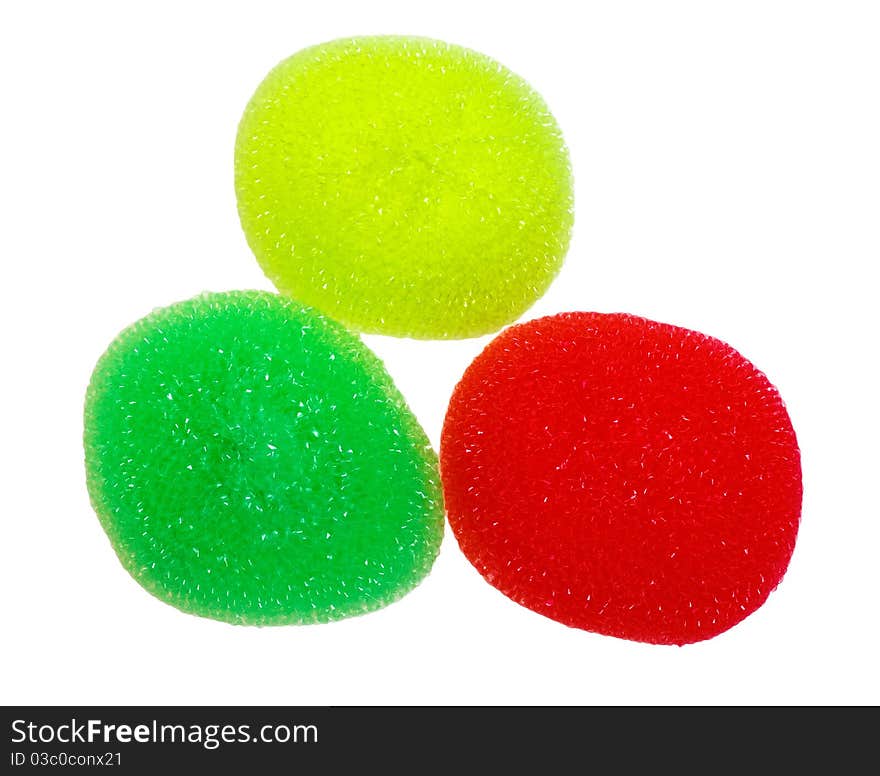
727	162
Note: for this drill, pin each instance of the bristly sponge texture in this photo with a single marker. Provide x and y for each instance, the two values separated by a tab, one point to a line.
623	476
251	461
404	186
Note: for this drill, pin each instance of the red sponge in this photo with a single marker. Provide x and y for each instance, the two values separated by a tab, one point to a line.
623	476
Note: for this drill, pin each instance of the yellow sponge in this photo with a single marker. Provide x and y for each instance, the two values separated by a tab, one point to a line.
404	186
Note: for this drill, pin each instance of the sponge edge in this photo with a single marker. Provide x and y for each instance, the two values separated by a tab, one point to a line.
404	186
623	476
251	461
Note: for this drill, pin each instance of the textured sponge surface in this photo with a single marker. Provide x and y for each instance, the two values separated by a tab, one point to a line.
404	186
251	461
627	477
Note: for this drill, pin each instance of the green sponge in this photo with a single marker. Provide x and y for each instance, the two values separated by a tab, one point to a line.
252	461
404	186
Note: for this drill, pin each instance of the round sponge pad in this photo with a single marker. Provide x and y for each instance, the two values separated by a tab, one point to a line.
623	476
251	461
404	186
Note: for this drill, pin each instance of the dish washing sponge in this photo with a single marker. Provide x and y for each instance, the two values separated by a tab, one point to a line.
251	461
404	186
624	476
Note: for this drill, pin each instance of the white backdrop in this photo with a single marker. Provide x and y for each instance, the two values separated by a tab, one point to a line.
727	163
